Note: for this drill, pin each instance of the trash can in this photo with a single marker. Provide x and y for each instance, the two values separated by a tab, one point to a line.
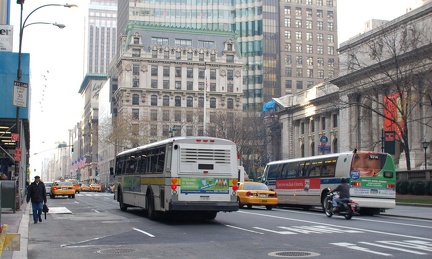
8	194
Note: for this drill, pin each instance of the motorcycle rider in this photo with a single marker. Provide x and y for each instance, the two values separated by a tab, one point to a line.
343	190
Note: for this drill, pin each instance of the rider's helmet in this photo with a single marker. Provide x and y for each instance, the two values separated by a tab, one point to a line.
343	180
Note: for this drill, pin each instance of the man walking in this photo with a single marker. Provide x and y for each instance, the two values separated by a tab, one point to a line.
37	194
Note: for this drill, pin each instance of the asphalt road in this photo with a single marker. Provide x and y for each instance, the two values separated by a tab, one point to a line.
92	226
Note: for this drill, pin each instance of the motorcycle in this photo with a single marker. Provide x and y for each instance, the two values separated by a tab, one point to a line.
346	208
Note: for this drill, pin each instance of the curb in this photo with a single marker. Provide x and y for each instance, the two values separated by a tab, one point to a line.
23	230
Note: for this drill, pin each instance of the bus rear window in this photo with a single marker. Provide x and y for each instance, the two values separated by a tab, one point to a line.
205	166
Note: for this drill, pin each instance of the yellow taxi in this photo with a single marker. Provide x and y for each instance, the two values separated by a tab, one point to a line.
85	187
62	188
76	185
94	187
256	194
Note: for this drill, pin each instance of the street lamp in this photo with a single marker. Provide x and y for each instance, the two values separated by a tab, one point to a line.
19	72
425	146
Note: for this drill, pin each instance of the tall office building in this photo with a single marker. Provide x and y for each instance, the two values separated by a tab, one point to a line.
102	33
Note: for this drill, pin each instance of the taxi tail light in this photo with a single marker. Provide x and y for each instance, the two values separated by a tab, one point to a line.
275	195
248	194
355	184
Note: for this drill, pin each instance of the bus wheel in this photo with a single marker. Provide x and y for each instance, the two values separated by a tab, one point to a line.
210	215
123	207
151	213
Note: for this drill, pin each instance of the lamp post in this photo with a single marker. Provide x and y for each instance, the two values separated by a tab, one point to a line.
19	71
425	146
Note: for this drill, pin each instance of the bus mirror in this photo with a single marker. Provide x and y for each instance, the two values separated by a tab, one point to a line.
111	171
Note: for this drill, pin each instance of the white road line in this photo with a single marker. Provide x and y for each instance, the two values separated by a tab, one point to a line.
142	231
96	211
244	229
394	248
277	232
396	223
336	226
359	248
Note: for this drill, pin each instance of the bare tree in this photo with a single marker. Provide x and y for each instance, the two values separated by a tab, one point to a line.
390	75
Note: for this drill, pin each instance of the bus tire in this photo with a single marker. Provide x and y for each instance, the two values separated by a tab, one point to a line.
151	213
123	207
210	215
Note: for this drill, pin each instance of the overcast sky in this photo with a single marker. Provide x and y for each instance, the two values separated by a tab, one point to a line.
57	59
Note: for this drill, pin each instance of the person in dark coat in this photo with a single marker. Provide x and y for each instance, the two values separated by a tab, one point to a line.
37	194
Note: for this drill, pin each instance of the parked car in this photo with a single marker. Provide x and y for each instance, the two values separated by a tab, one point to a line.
256	194
85	187
48	187
94	187
62	188
76	185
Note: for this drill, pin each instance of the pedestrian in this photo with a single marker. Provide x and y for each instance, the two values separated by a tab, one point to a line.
37	195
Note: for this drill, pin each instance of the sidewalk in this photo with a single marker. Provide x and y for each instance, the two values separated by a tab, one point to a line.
18	222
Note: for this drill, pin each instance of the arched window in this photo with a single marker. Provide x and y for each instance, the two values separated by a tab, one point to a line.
312	148
165	100
153	101
212	102
201	102
335	146
178	101
189	101
230	103
135	99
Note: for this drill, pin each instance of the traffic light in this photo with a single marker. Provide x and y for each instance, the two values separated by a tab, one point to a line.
72	150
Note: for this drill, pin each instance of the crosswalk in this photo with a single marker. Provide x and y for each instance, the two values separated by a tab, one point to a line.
93	194
416	247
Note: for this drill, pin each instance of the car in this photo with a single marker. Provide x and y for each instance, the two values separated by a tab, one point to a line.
62	188
256	194
48	187
85	187
76	184
94	187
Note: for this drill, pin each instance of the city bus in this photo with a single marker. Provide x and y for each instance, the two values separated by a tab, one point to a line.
305	182
197	175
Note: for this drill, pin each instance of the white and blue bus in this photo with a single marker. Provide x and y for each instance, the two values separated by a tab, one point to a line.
183	174
305	181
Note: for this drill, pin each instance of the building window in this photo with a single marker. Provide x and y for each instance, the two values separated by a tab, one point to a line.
177	85
309	25
153	115
166	71
154	83
312	125
299	72
153	130
320	37
331	62
320	73
302	128
135	114
136	52
335	121
298	23
177	115
298	47
178	55
330	38
230	88
201	57
309	48
165	115
200	102
298	35
287	22
136	69
189	72
154	70
135	82
178	72
189	131
320	25
319	2
177	100
212	57
212	102
309	61
309	36
323	123
189	85
201	86
166	54
330	15
309	84
189	56
299	60
212	73
287	10
287	35
154	53
330	26
331	50
320	62
135	99
213	87
299	84
330	3
320	49
153	100
201	73
308	13
230	58
320	14
189	116
189	101
165	100
288	59
166	84
230	74
309	73
298	11
288	71
230	103
288	84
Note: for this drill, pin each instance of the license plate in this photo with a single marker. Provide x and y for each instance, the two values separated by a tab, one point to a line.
205	198
64	188
264	201
262	195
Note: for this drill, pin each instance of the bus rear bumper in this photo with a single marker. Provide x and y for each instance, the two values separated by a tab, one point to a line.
203	206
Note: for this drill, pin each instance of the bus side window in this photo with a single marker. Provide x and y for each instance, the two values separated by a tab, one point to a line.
328	168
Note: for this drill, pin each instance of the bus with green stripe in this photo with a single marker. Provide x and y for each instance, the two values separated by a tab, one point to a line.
305	182
196	175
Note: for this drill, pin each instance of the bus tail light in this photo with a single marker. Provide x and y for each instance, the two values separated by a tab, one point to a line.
357	184
391	186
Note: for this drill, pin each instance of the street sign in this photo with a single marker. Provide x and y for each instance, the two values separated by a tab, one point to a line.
20	94
14	137
17	156
323	139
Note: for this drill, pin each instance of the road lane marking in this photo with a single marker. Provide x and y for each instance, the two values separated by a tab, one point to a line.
359	248
142	231
244	229
96	211
394	248
277	232
336	226
415	245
